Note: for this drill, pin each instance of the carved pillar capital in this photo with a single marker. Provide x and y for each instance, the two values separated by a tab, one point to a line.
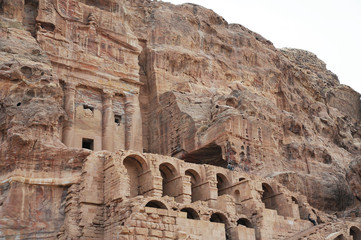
70	86
107	93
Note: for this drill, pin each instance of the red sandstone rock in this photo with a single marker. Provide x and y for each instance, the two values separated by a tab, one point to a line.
177	81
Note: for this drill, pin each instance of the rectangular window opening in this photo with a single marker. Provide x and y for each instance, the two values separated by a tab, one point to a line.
88	107
117	119
88	143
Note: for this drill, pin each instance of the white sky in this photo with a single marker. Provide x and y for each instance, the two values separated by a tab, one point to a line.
329	28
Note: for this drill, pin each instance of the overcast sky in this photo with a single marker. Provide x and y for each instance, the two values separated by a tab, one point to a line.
329	28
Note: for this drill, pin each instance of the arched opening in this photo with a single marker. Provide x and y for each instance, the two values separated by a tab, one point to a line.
244	222
222	183
220	218
267	196
195	180
191	213
294	200
355	233
169	172
237	196
241	179
135	166
156	204
340	237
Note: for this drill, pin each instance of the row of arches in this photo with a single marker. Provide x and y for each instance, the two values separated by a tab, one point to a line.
173	182
216	217
355	234
193	214
136	166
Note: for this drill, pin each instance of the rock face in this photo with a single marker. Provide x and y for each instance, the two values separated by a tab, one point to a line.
178	81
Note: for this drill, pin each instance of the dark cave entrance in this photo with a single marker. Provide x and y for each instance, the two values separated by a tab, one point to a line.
30	13
210	154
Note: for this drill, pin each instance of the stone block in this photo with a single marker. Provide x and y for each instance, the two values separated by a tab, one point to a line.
140	237
182	214
151	210
163	212
155	233
169	220
141	231
168	234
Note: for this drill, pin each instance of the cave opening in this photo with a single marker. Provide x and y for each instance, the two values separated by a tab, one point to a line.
210	154
30	13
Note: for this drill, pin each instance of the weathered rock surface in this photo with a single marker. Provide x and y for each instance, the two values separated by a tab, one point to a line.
221	93
36	168
180	81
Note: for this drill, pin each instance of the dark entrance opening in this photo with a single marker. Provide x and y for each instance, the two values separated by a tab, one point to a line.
117	119
30	14
268	196
220	218
88	143
88	107
156	204
355	233
222	183
191	213
244	222
210	154
168	173
195	180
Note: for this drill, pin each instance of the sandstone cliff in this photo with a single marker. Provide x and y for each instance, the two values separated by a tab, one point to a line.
192	86
218	93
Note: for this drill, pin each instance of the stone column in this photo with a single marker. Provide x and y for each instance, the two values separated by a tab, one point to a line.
108	122
69	106
133	123
129	111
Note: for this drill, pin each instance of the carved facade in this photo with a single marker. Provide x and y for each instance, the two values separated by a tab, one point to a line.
87	76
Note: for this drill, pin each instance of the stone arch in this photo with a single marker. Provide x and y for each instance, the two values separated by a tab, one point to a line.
136	166
267	196
191	213
340	237
355	233
222	183
302	211
169	173
221	218
195	180
156	204
244	222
